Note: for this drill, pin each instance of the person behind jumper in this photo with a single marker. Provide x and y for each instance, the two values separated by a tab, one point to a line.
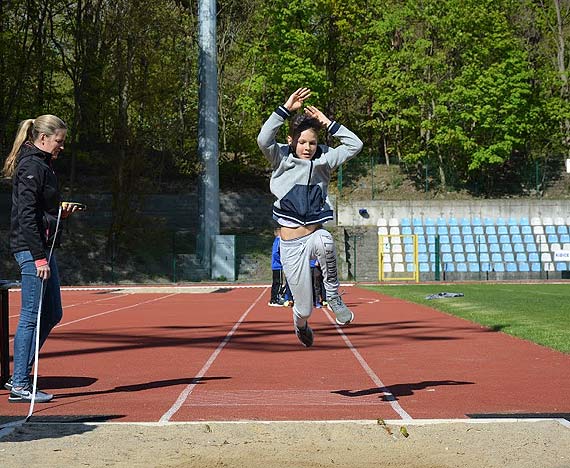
319	293
301	172
278	283
35	208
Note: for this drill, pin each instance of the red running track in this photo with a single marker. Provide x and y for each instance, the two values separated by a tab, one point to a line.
227	356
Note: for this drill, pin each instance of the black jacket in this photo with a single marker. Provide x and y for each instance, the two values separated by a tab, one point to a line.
35	202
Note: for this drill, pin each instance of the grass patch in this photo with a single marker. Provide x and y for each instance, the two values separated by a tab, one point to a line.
535	312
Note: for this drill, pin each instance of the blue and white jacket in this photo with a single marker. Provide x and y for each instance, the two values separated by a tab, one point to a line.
300	185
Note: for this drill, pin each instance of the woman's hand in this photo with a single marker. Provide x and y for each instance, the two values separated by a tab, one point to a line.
43	272
296	99
315	113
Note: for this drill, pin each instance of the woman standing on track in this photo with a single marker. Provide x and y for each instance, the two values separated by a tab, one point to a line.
35	208
301	172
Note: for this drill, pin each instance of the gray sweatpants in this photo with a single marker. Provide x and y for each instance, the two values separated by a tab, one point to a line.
295	257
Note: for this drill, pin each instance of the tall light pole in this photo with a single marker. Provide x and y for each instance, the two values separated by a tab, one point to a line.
209	198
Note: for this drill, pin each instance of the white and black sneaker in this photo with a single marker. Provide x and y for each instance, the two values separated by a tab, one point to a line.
342	313
24	395
305	335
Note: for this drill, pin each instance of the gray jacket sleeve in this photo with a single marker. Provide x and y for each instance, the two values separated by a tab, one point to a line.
350	145
266	138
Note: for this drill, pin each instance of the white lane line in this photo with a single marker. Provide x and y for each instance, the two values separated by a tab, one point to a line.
74	305
388	396
190	388
114	310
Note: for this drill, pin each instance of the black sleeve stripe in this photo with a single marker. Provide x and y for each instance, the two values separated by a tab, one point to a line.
283	112
333	127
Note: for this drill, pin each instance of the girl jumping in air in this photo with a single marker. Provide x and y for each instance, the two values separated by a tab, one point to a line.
301	172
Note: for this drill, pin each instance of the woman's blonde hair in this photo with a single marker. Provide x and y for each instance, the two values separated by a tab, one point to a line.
30	130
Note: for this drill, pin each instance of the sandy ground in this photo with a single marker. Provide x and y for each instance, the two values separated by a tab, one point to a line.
521	444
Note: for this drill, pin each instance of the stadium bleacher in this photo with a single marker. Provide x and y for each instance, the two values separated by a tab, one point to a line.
513	246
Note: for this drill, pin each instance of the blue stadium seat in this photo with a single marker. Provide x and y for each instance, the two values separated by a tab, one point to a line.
476	222
472	258
528	239
409	258
429	222
468	239
526	230
550	229
496	257
504	239
518	247
508	257
432	258
422	248
478	230
499	267
535	267
431	242
459	257
423	257
521	257
405	222
456	239
443	239
457	248
461	267
500	222
492	239
562	229
470	248
452	222
454	231
430	230
484	257
474	267
410	267
490	230
424	267
524	222
553	238
407	230
514	230
449	267
512	267
419	230
408	247
506	247
442	230
513	222
489	222
447	258
533	257
466	230
485	266
465	222
441	222
502	230
516	239
494	248
531	247
523	267
417	222
564	238
561	266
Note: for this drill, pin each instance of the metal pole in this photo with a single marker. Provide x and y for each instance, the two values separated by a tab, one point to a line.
209	209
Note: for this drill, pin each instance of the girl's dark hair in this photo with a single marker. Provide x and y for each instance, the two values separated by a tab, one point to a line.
300	123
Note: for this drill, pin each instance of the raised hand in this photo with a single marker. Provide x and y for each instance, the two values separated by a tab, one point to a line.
315	113
296	99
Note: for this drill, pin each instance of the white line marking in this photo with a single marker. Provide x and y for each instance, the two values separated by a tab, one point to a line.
188	390
389	422
114	310
388	396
